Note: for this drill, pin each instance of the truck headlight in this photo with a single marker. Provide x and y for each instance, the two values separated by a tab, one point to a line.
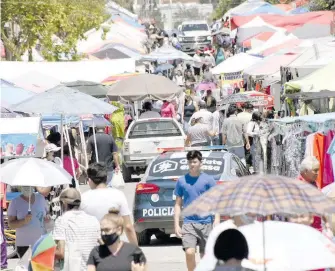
209	38
180	39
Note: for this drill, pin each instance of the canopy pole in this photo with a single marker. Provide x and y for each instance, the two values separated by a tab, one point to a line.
71	156
83	142
61	138
95	142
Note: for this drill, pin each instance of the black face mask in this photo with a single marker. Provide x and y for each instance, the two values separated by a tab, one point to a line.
110	239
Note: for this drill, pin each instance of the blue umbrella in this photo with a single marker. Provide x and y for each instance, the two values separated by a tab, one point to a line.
10	94
265	9
163	67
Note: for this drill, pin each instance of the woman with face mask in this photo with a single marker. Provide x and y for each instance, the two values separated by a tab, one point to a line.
29	225
114	254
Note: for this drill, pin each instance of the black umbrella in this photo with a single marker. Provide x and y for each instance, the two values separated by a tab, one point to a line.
91	88
110	53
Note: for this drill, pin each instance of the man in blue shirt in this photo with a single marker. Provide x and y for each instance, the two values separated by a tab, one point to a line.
195	229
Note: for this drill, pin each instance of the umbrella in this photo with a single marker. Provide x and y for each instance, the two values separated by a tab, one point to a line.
43	254
33	172
163	67
144	85
287	247
166	53
204	86
64	100
91	88
118	77
262	195
110	53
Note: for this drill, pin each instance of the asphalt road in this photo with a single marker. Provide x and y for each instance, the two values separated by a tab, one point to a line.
161	256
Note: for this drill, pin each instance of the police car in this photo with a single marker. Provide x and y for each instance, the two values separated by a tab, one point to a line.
154	195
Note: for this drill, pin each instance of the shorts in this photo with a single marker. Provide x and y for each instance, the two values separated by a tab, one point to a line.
194	234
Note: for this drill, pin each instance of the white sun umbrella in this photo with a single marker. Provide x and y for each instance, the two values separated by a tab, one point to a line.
33	172
236	63
287	247
62	100
166	53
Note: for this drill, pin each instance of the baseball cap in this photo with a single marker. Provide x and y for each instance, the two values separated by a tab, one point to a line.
70	196
51	147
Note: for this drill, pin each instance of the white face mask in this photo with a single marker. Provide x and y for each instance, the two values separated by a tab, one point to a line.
26	191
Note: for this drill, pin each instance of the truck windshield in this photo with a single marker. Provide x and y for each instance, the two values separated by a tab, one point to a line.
153	128
194	27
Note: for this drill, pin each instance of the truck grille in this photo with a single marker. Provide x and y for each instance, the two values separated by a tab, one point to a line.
189	39
202	39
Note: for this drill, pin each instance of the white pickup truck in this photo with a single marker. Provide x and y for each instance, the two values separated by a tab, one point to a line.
143	140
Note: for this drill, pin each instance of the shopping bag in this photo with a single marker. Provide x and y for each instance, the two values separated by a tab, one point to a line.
117	180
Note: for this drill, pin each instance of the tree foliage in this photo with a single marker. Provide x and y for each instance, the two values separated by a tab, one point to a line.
185	14
56	25
316	5
224	5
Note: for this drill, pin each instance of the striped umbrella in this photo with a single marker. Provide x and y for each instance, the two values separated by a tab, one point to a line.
262	195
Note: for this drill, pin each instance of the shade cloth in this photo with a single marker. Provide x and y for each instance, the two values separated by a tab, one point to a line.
166	53
110	53
142	86
64	100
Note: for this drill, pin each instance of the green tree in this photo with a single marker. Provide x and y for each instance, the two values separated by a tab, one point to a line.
224	5
316	5
56	25
185	14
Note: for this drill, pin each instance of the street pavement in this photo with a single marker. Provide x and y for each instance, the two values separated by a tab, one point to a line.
163	256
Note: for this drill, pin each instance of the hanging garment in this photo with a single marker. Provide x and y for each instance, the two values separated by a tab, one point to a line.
276	156
328	173
309	151
319	150
293	156
331	152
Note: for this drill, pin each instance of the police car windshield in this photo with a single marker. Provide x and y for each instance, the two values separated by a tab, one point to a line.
177	166
154	128
194	27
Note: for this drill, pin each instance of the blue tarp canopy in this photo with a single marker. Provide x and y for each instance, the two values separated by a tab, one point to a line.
10	94
319	118
299	10
265	9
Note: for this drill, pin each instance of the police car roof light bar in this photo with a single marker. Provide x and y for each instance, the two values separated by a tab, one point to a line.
204	148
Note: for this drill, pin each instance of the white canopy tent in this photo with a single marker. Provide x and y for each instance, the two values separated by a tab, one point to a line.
236	63
245	7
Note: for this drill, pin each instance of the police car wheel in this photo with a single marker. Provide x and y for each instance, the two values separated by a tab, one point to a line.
143	238
126	173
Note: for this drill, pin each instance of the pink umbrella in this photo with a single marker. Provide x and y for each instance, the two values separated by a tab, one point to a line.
205	86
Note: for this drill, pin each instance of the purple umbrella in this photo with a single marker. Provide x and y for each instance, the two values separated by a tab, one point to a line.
205	86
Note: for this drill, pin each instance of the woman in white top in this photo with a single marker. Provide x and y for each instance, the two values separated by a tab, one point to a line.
253	129
198	134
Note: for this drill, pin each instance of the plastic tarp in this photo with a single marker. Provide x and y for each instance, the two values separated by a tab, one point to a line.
322	79
245	7
166	53
236	63
10	94
254	27
299	10
265	9
320	118
270	65
277	38
64	71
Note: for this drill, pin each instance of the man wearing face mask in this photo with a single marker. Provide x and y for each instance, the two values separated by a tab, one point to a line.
29	224
76	233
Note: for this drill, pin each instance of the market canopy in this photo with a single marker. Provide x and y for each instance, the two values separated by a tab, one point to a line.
245	7
63	100
91	88
143	86
265	9
166	53
10	94
236	63
321	79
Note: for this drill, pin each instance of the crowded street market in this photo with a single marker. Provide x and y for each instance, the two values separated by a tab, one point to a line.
164	149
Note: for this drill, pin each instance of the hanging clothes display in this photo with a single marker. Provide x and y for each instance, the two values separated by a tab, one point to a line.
319	151
328	171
